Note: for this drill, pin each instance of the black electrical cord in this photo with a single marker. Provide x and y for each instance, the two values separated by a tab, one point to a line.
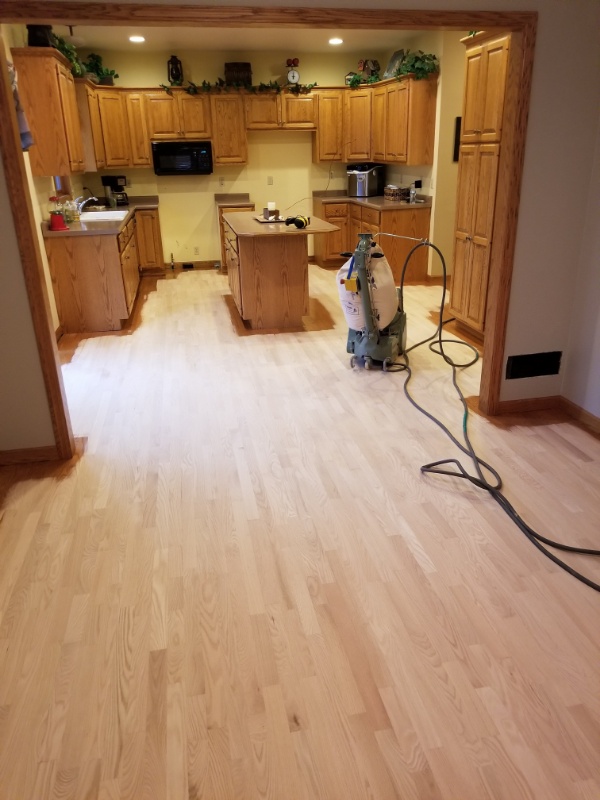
480	481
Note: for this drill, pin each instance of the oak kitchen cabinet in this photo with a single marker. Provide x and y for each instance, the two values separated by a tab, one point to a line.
95	278
328	143
375	216
115	128
357	124
47	93
404	121
229	141
177	115
485	89
139	139
328	248
225	204
284	111
149	241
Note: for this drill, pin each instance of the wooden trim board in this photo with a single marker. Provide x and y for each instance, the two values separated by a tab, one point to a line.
28	455
522	25
31	260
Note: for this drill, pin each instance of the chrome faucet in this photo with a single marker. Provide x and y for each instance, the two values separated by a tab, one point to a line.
81	203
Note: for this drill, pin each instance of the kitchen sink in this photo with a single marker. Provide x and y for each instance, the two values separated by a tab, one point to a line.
103	216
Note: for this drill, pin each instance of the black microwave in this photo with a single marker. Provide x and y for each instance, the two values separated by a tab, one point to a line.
182	158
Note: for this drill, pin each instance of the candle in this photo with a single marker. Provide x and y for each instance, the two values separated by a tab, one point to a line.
271	206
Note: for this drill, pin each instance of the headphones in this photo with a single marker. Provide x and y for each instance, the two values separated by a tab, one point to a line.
299	221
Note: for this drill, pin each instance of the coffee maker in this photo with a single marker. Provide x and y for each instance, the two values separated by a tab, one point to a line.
114	186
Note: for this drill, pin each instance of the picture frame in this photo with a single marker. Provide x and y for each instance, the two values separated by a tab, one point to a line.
394	63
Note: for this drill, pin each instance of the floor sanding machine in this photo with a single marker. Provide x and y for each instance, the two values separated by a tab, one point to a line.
372	305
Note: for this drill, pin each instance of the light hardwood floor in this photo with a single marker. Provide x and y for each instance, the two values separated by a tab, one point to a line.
244	587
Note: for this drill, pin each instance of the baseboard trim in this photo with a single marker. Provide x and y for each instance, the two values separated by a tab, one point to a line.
580	414
528	404
28	455
59	333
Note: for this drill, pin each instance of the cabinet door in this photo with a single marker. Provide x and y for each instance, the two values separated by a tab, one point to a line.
96	127
336	242
230	145
485	86
378	112
131	275
476	193
354	227
138	131
357	125
149	240
472	107
262	111
115	129
298	112
68	101
328	140
493	90
396	122
194	116
162	116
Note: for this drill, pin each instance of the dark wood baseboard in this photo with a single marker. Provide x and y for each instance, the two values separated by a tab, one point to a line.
528	404
580	414
29	455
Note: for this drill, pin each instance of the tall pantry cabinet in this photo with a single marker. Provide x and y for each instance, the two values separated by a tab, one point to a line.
480	142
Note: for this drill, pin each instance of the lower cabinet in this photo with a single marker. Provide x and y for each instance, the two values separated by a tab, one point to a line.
329	247
95	279
408	220
223	209
149	241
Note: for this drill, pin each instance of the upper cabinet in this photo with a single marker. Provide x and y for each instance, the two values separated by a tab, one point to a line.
139	140
357	124
389	122
404	121
484	90
328	144
177	115
115	127
269	111
47	93
229	142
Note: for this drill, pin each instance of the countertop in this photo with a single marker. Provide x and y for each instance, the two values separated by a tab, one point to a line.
106	228
233	200
244	224
379	203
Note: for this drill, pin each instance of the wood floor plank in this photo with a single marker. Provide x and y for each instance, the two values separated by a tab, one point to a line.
244	587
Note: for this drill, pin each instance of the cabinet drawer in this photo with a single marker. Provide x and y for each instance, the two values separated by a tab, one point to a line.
125	235
370	216
335	210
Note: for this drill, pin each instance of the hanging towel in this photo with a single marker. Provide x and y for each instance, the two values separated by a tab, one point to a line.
26	137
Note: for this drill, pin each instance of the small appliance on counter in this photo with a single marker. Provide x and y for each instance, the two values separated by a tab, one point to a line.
365	180
114	190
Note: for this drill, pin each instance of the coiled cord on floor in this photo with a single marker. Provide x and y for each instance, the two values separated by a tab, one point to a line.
435	467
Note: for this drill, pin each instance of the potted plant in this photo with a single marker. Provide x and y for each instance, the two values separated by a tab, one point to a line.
417	63
68	50
94	65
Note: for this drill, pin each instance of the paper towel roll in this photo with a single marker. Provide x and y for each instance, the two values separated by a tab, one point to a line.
271	206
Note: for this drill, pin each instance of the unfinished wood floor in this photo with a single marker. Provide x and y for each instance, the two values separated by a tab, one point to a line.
244	588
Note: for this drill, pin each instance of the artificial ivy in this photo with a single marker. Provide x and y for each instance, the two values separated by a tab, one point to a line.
221	86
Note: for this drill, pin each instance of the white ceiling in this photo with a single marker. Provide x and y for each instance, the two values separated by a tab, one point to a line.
290	40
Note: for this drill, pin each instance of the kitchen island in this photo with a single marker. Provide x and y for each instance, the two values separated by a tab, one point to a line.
267	265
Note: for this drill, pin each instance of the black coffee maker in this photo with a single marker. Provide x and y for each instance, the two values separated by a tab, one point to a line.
114	186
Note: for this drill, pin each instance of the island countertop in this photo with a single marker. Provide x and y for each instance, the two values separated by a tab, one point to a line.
244	224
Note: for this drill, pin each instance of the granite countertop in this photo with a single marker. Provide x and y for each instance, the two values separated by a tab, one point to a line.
244	224
107	227
377	202
233	200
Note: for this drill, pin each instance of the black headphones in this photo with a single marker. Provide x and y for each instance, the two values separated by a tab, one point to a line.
299	221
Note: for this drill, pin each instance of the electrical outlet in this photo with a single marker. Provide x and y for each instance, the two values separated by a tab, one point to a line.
196	251
269	180
221	181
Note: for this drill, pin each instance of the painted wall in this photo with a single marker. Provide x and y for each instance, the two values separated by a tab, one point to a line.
24	411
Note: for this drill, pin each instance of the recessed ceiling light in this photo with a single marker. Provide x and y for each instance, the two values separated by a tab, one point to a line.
137	39
336	41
